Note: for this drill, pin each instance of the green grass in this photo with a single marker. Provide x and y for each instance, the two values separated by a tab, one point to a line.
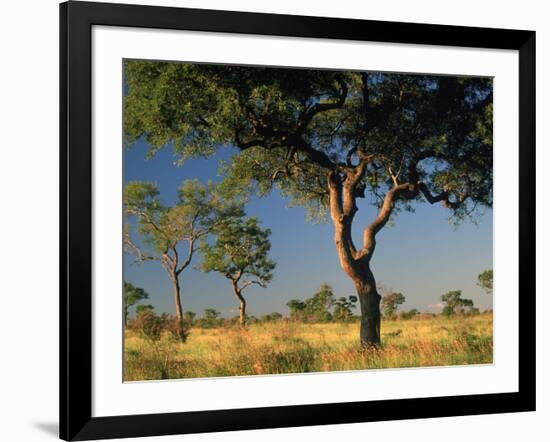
288	347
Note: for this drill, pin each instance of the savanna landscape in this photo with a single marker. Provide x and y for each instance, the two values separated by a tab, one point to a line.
290	347
258	197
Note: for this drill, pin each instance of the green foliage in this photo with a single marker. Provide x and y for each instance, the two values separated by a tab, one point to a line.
143	307
197	211
292	125
132	295
317	307
454	303
343	308
164	229
240	252
271	317
210	319
447	311
409	314
296	308
189	317
390	302
485	281
251	319
314	309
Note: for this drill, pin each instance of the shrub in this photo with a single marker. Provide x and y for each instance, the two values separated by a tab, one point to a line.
343	308
390	302
141	308
410	314
271	317
210	319
150	325
189	317
179	331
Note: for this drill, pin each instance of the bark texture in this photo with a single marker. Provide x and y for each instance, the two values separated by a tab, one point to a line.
370	315
176	291
242	303
356	262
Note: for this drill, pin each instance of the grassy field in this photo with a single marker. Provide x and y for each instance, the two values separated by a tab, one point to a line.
287	347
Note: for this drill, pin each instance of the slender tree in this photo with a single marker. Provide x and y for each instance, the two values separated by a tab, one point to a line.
210	318
327	139
343	308
296	309
171	234
317	308
240	253
143	307
390	302
132	295
485	281
454	302
189	317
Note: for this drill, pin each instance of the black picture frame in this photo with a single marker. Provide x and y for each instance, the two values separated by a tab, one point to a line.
76	21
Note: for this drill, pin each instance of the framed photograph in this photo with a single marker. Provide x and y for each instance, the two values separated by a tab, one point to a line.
273	221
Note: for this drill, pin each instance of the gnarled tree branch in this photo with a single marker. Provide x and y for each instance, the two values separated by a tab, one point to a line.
322	107
141	256
443	197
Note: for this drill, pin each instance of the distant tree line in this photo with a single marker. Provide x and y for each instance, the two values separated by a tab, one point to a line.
322	307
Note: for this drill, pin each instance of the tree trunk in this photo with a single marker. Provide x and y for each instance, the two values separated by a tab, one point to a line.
179	311
356	263
242	311
369	300
242	304
359	271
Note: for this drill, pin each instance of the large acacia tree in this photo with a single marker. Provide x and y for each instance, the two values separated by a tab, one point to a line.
327	139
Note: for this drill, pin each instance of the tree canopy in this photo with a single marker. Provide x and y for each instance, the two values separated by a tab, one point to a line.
164	228
132	295
485	281
314	309
432	135
454	302
390	303
343	308
240	252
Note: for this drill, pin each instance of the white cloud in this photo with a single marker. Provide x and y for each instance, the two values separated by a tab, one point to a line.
435	308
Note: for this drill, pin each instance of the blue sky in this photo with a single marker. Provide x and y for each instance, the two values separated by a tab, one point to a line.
422	255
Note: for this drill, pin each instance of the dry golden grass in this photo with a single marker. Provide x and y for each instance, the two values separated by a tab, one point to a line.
288	347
